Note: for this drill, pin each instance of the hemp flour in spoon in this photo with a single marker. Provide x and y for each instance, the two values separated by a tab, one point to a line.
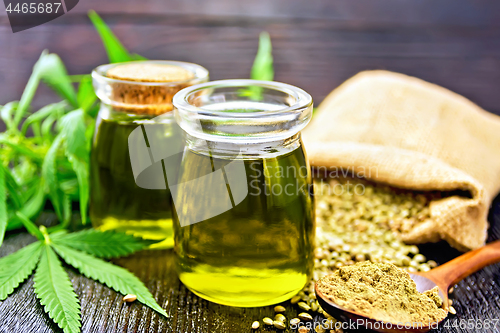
383	292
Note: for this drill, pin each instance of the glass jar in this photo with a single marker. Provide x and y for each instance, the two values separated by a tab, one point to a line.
243	204
129	192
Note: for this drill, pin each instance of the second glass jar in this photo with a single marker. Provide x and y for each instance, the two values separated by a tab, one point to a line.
129	191
243	204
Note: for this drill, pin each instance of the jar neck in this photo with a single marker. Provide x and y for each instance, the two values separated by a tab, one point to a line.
107	112
237	150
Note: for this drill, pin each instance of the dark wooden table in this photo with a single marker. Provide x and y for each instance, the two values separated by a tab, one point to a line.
476	299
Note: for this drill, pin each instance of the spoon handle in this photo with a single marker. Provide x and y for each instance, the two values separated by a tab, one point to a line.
459	268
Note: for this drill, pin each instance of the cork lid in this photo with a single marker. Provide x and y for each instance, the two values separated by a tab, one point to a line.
145	87
148	72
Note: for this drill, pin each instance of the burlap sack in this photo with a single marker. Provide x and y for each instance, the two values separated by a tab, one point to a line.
415	135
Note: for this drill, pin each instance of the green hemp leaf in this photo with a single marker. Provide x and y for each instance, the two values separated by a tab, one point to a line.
15	268
115	277
102	244
55	291
52	284
4	218
114	48
262	68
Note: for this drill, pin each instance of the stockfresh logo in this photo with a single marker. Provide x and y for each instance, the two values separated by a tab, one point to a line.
26	14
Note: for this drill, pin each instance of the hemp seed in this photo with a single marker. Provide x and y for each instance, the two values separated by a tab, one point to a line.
279	309
280	317
279	325
268	321
304	306
305	316
129	298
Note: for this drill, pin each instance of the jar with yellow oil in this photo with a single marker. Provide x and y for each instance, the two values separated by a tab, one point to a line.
243	203
129	191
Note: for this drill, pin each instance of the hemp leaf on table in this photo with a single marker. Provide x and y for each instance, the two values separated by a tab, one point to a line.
80	250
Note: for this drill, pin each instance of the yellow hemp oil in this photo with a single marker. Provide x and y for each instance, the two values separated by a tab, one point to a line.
129	191
259	252
243	202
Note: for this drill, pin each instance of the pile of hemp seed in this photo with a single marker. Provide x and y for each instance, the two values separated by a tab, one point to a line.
357	220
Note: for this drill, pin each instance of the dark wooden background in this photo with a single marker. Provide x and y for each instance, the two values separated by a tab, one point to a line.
317	45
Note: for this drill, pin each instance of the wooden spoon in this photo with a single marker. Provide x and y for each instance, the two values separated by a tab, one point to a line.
443	277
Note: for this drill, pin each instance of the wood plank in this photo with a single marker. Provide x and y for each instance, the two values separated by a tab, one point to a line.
453	12
423	12
316	55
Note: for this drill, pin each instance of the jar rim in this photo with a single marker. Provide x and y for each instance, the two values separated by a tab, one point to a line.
200	73
258	123
302	99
